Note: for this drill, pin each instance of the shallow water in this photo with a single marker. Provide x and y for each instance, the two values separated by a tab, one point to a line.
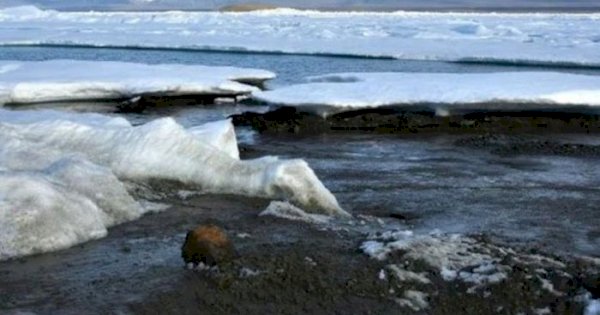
549	201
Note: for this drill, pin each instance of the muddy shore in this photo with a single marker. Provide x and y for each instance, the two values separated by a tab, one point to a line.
392	120
290	267
284	267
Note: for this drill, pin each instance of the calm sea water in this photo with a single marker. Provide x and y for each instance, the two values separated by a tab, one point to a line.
289	68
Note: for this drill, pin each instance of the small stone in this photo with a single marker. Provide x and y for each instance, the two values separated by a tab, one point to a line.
207	244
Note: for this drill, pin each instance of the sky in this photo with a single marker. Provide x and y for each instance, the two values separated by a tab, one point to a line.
344	4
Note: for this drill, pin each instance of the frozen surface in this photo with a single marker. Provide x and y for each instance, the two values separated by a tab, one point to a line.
45	115
333	93
593	307
532	38
416	300
70	80
62	180
220	134
69	202
455	257
285	210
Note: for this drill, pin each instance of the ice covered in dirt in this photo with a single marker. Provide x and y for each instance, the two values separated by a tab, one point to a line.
63	179
334	93
72	80
285	210
45	115
455	257
534	38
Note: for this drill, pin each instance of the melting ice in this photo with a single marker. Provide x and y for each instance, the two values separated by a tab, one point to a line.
62	177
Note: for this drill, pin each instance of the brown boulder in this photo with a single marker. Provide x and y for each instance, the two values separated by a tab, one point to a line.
207	244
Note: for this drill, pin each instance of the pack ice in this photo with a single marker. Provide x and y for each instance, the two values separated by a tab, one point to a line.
334	93
62	175
526	38
72	80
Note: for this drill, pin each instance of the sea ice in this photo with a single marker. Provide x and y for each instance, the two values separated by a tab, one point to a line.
72	80
534	38
220	134
62	180
334	93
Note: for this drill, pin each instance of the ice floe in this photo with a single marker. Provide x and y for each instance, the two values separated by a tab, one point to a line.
334	93
534	38
72	80
63	180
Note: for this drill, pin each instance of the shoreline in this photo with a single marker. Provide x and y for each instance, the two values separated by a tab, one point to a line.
284	266
390	120
289	267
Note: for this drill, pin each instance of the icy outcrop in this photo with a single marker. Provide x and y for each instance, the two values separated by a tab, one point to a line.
69	202
62	180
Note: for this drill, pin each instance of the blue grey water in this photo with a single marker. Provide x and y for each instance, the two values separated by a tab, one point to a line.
289	68
549	201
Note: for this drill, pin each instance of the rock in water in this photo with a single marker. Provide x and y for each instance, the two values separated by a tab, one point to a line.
208	244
